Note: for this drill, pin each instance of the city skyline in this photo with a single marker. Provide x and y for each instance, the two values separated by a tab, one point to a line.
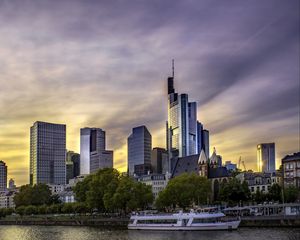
92	64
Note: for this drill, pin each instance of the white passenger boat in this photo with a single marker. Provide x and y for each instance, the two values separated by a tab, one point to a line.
183	221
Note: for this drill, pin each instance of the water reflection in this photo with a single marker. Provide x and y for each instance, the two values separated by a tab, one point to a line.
89	233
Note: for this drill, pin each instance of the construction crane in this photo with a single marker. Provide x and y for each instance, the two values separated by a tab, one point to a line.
243	163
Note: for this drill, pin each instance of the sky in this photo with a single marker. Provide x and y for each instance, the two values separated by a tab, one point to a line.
105	64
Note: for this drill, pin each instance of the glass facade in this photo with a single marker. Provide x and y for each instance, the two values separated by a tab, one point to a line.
139	145
184	137
47	153
93	155
266	157
3	176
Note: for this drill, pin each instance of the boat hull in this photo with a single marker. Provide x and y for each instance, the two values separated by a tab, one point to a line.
233	225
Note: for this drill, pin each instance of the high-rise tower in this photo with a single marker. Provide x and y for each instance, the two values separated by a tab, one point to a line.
93	155
47	153
139	151
182	123
266	157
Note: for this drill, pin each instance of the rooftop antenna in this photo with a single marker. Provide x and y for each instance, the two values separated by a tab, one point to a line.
173	68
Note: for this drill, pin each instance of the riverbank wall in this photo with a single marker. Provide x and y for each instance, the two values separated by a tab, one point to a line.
121	223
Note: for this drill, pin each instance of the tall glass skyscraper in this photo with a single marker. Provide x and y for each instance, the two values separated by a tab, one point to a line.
139	145
182	123
266	157
3	176
93	155
47	153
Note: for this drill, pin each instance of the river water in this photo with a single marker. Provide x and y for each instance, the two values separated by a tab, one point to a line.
91	233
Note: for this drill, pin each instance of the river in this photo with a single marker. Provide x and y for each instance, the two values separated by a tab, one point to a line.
90	233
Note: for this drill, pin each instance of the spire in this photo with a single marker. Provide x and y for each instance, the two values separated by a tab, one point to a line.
171	80
173	68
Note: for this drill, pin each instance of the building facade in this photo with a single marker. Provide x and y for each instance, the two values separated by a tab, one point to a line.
72	165
291	170
47	153
93	155
266	157
3	176
159	160
260	181
158	182
7	199
185	135
139	145
182	123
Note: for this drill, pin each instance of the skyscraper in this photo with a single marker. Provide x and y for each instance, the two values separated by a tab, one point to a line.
202	139
159	160
93	155
3	176
72	165
47	153
139	145
205	141
182	123
266	157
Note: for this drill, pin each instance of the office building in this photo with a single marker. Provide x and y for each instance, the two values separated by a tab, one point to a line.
205	142
11	184
72	165
291	170
230	166
185	135
139	145
158	182
3	176
93	155
266	157
159	160
47	153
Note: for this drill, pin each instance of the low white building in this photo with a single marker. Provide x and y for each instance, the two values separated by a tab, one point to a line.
7	199
57	188
158	182
260	181
67	197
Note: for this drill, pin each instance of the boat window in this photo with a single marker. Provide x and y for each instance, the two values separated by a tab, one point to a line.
157	221
204	220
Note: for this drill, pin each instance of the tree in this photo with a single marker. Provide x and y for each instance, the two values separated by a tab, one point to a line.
275	193
36	195
67	208
234	191
259	196
81	188
29	210
130	195
183	191
104	182
291	194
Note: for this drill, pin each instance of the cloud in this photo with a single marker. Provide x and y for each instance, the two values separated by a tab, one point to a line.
104	64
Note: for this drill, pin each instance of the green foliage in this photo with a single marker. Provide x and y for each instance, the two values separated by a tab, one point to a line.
275	193
42	209
36	195
29	210
106	190
234	191
20	210
81	189
55	208
5	211
80	207
130	195
291	194
183	191
259	196
67	208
